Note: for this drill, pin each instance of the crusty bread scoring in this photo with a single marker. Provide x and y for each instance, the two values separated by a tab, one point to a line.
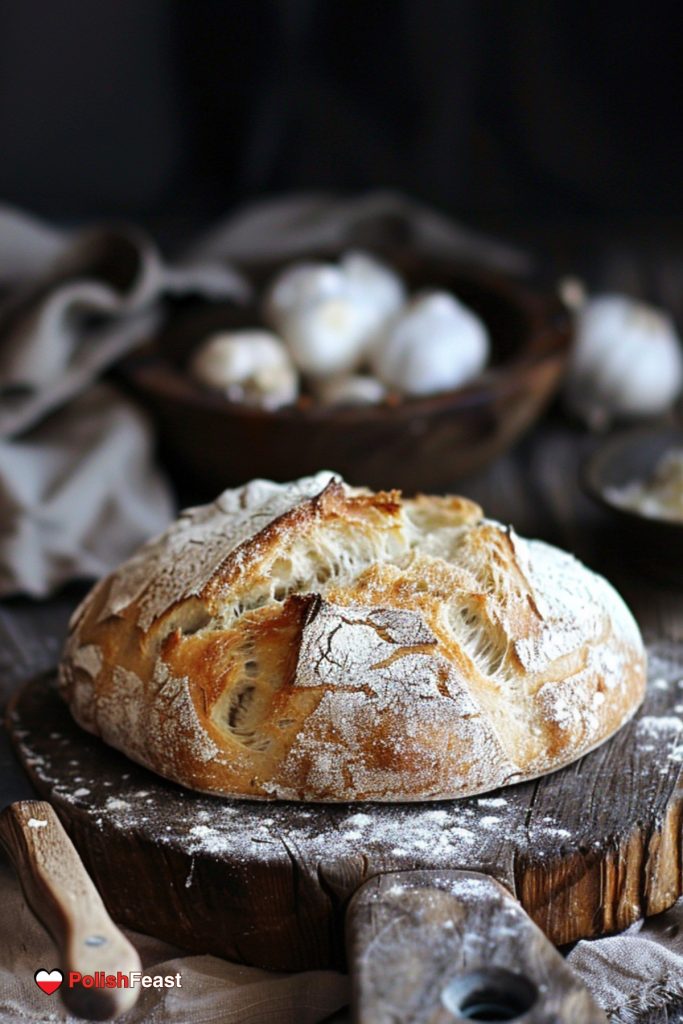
313	641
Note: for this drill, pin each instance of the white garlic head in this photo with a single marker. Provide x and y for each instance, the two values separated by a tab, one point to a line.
355	389
375	286
298	285
328	336
329	315
435	344
251	366
626	361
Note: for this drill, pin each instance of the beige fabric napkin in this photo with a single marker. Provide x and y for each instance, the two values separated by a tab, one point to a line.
294	226
77	493
78	486
80	306
638	972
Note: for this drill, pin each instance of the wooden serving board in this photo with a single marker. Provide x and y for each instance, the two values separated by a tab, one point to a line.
586	851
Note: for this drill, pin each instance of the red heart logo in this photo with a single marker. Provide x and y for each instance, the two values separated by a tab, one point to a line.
49	981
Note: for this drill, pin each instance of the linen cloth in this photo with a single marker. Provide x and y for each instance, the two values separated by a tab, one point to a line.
79	490
637	972
78	486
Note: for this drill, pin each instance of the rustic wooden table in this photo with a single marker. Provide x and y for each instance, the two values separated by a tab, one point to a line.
536	488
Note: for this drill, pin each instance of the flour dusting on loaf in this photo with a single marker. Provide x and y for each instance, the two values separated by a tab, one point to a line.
315	641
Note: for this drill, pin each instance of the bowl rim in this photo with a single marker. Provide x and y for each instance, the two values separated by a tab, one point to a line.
593	465
548	340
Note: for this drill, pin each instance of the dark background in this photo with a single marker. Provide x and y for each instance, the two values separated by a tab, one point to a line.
513	114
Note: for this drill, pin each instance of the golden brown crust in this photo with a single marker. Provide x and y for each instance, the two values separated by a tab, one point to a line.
313	641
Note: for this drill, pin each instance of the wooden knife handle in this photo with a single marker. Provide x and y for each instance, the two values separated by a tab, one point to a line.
62	896
434	947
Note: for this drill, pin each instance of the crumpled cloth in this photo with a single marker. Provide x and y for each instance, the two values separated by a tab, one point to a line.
78	486
293	226
637	972
76	303
78	492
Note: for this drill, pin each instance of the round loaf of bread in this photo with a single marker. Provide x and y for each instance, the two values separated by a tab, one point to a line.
314	641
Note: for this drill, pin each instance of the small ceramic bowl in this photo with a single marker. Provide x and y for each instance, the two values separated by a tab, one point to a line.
416	444
650	544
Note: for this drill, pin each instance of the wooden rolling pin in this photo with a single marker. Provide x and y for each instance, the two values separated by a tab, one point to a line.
61	894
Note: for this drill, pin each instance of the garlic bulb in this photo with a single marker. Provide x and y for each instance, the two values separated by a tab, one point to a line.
250	366
298	285
372	284
374	279
436	344
329	315
356	389
328	336
626	361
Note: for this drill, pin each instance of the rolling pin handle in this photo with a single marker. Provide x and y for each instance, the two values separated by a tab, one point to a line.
61	894
446	946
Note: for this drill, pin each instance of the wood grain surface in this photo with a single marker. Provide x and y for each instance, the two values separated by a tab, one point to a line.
426	946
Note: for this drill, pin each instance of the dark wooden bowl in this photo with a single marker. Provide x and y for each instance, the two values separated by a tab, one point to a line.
653	546
416	444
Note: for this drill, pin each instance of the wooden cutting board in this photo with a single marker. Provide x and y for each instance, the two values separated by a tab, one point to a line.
586	851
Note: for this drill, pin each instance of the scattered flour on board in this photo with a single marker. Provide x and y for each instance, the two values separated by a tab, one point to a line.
654	726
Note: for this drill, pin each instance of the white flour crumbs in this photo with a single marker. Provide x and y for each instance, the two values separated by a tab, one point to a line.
202	831
357	820
478	890
441	817
463	833
37	823
115	804
493	801
650	725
